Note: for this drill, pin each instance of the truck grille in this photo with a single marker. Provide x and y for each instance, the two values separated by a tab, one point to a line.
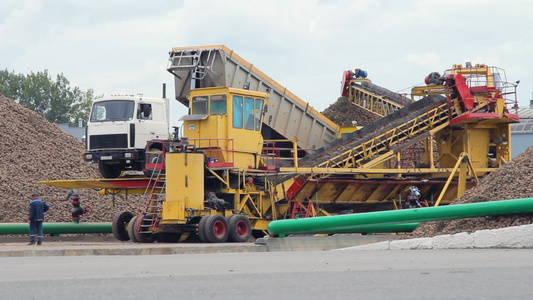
107	141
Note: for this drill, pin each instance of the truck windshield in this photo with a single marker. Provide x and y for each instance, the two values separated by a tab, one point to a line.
112	110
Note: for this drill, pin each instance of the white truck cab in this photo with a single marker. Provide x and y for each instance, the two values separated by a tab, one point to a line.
118	129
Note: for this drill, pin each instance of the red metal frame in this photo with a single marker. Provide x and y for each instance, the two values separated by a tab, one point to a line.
214	151
295	188
271	156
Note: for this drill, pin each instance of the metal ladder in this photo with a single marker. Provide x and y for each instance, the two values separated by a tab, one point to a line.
152	207
191	60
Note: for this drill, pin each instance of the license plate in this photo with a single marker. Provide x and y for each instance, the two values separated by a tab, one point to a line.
106	157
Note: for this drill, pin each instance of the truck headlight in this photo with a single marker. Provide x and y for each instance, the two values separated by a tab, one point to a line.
88	156
128	155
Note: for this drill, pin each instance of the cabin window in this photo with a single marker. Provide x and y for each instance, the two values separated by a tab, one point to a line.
218	105
257	112
237	111
199	105
112	110
249	113
144	112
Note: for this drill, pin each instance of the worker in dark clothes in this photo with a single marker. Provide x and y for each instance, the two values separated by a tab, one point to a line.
414	197
36	217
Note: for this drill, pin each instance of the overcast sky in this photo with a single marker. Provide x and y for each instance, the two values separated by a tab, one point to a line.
122	46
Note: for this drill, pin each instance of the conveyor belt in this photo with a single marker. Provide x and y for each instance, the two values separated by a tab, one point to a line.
374	98
379	133
402	100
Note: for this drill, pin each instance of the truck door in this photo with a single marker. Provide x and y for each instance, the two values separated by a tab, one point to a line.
145	128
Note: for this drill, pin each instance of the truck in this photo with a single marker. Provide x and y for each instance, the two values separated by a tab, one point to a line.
118	130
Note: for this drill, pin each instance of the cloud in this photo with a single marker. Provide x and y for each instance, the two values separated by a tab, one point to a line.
428	59
304	45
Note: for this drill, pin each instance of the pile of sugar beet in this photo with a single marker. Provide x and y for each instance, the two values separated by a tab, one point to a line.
511	181
32	150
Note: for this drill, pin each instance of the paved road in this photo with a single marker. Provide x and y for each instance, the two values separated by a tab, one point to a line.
431	274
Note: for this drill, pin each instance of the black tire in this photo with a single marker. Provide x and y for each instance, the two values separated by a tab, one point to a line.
201	229
239	228
108	170
119	225
228	218
216	229
168	237
144	237
131	229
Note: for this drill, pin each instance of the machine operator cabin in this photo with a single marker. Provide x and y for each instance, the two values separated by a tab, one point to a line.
227	119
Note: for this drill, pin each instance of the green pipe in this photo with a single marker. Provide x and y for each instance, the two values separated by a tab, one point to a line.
57	228
345	223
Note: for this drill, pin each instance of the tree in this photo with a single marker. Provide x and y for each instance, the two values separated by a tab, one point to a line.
10	83
81	106
54	100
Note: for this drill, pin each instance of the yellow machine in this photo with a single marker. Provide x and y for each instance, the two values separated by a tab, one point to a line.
224	180
459	130
205	179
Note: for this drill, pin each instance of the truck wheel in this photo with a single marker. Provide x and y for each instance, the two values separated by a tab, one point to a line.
216	229
119	225
131	229
201	229
142	237
240	228
109	171
168	237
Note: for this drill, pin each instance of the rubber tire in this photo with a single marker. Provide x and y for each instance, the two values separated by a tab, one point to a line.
239	228
201	229
119	225
216	229
168	237
109	171
142	237
131	231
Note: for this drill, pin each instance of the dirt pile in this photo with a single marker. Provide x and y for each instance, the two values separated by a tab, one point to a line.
343	113
32	150
512	181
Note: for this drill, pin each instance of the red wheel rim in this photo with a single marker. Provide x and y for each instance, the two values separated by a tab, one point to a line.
242	228
219	229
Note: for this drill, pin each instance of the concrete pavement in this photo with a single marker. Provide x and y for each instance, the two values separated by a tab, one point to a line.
107	245
510	237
